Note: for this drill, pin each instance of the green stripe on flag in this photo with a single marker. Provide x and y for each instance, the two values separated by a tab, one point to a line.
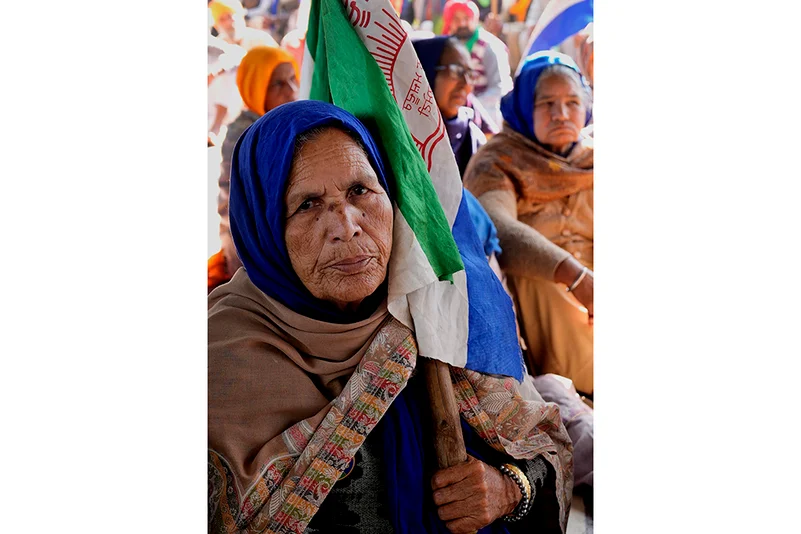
316	45
345	70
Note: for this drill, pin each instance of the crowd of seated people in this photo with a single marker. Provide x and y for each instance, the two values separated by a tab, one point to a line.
298	321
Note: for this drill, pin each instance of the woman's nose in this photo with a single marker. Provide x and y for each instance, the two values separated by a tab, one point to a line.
462	83
344	222
559	111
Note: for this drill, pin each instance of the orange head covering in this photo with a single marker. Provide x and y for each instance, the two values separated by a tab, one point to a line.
217	274
254	73
451	7
221	7
520	10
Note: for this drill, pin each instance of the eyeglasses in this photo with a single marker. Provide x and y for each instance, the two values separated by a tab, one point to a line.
280	85
456	72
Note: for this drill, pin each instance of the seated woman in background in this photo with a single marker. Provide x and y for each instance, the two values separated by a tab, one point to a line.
315	406
267	77
446	64
535	179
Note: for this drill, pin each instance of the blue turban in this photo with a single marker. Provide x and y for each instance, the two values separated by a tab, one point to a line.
259	176
518	105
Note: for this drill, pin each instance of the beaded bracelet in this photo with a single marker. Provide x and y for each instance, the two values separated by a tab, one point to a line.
523	507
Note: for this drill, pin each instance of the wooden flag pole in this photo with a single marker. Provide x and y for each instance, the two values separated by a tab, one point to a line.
448	439
494	7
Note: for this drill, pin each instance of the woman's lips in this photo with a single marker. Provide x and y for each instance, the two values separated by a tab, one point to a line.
352	265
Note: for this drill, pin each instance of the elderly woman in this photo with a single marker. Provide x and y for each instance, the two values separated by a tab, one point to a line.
535	179
267	77
316	413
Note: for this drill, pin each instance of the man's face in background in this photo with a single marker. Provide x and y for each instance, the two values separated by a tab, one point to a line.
463	25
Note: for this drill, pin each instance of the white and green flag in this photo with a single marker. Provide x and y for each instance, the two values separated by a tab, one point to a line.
359	58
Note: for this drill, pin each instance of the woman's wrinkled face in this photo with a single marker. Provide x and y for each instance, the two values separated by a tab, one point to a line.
559	112
283	87
451	90
338	221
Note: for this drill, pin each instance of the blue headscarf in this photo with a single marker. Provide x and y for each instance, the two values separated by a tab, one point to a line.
429	51
517	106
260	169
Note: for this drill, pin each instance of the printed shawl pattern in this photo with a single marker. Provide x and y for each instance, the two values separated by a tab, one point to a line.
296	479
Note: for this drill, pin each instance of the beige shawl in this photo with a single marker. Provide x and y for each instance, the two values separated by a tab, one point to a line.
292	399
270	367
511	161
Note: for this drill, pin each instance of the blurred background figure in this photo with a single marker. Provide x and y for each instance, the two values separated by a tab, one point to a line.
397	5
234	38
535	179
559	25
230	25
224	102
295	42
266	78
223	98
581	48
488	54
278	17
484	8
